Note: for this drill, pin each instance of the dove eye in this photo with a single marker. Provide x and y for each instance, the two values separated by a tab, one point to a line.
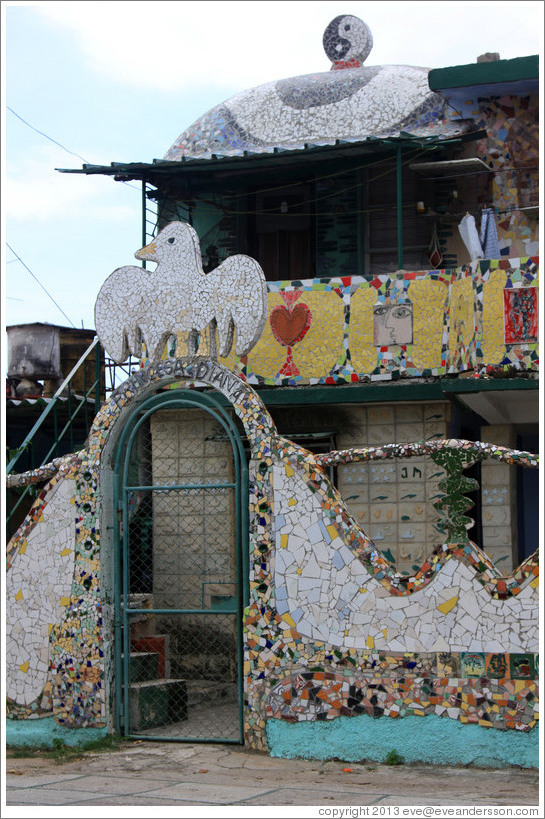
171	240
347	28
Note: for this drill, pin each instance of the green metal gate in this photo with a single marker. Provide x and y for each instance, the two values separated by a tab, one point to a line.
181	572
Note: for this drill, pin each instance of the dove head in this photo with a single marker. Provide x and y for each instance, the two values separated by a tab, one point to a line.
177	241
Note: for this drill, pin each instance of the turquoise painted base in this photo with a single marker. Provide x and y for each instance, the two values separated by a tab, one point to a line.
431	739
41	733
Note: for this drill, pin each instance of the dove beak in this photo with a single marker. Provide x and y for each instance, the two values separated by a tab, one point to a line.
147	253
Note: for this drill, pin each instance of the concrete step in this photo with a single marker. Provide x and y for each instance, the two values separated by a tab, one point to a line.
159	643
157	702
200	691
143	666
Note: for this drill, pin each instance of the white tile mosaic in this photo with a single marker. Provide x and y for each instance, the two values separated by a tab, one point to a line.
352	101
179	299
38	587
355	610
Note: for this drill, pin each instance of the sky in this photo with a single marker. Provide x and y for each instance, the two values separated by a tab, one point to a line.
118	81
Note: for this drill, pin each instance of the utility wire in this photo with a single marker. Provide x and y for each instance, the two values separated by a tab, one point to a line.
86	161
330	195
46	136
41	285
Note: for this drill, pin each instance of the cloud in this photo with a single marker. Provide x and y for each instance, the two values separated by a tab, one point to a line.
188	45
183	45
36	192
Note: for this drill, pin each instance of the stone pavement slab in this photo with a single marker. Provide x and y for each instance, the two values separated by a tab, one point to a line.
109	784
42	796
218	777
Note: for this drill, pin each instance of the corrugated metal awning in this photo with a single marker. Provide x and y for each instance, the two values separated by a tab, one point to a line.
160	168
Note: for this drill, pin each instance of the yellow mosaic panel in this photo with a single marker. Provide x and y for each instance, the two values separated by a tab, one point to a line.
319	350
429	300
462	317
492	344
362	349
268	356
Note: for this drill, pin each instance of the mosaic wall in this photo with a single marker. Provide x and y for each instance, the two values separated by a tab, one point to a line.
456	638
319	646
40	564
350	329
62	601
511	149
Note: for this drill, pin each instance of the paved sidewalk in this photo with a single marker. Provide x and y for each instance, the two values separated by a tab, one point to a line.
171	775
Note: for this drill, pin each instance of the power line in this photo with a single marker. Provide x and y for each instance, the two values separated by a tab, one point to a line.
41	285
331	195
46	136
42	133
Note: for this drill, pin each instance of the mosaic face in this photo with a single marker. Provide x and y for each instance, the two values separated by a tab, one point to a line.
392	324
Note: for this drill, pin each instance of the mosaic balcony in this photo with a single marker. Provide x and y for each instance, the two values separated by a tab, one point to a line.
407	324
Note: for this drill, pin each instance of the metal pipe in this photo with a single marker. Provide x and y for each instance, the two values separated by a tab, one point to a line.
144	235
399	210
97	379
49	408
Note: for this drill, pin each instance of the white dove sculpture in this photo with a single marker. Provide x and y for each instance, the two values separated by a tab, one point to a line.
135	304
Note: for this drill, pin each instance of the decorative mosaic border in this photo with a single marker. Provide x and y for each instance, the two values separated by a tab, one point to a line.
64	466
411	684
477	449
498	586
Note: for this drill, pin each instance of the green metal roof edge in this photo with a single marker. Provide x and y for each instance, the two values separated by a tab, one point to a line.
385	392
498	71
138	170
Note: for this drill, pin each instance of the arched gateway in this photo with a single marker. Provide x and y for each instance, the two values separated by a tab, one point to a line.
173	479
181	544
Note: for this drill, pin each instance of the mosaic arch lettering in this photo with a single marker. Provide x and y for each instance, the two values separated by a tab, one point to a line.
246	402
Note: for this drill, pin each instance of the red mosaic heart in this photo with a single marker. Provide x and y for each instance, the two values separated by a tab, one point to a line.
289	327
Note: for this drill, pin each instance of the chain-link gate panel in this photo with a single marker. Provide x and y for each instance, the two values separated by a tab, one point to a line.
181	587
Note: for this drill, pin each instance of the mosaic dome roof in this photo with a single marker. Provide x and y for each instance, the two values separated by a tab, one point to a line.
349	102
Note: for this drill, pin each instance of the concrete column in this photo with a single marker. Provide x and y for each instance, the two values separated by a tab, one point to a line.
499	501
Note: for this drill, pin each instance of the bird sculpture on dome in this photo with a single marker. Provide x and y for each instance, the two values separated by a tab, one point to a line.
135	304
